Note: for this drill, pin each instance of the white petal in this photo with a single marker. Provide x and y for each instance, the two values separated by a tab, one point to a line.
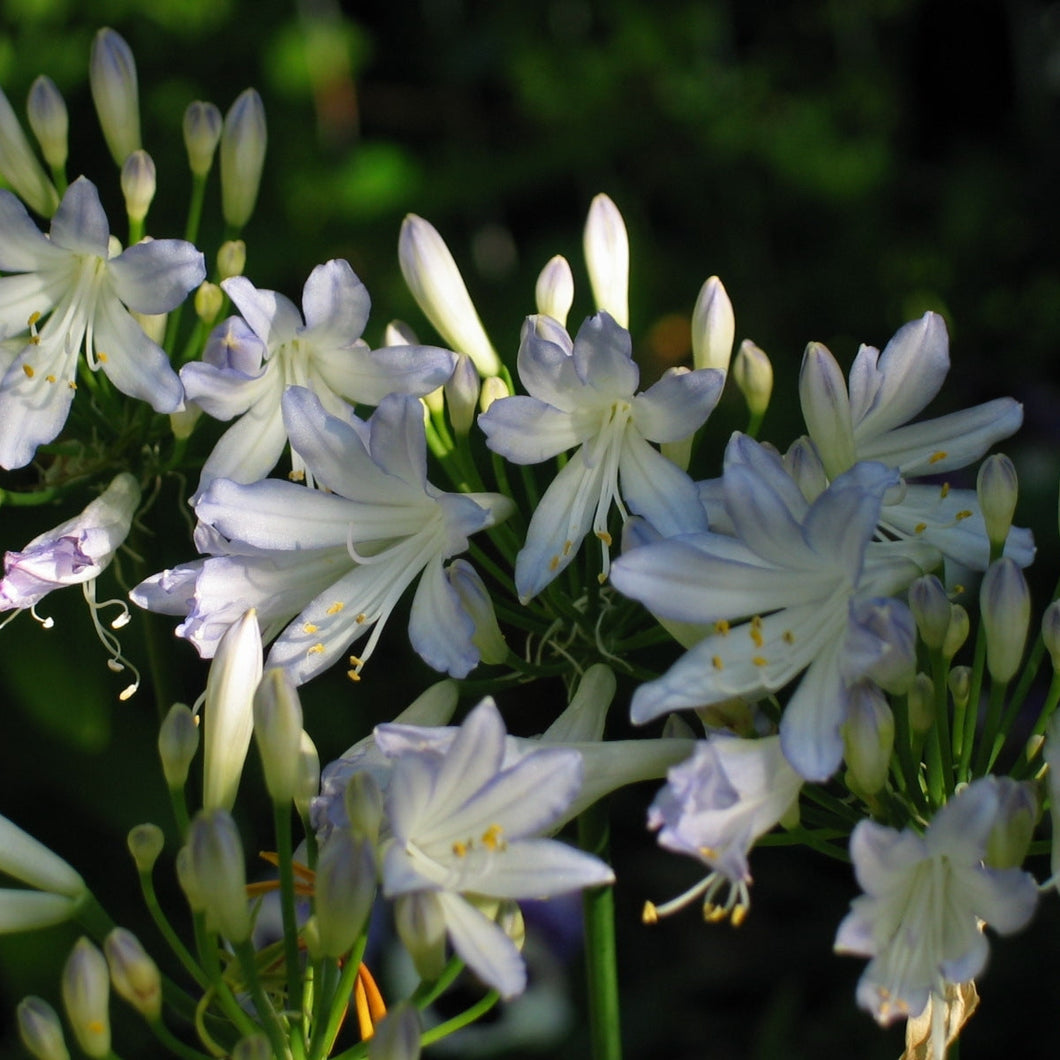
440	630
678	404
657	489
335	303
526	430
272	317
156	276
80	225
23	247
483	946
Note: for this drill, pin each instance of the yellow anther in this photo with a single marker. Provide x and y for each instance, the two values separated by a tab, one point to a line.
50	378
33	318
965	514
34	340
721	627
461	849
355	661
72	385
919	528
29	371
756	635
95	1026
739	914
717	663
649	914
553	563
296	476
336	607
353	675
601	578
491	838
309	627
759	660
714	914
944	491
604	536
788	637
710	853
101	357
936	457
316	649
361	619
567	546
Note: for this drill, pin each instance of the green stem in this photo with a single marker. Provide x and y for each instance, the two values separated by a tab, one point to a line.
601	961
282	818
991	726
173	1044
974	693
266	1013
340	1000
465	1018
183	954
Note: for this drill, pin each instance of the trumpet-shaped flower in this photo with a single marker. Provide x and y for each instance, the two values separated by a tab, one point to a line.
249	363
86	294
925	899
805	568
714	806
462	826
867	419
585	394
340	557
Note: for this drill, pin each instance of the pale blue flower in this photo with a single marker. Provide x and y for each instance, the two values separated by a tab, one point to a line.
465	828
926	898
868	419
86	294
584	393
339	558
793	571
714	806
249	363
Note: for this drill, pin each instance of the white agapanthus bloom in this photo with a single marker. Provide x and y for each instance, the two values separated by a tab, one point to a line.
926	900
463	828
248	364
67	291
584	394
868	418
797	574
340	557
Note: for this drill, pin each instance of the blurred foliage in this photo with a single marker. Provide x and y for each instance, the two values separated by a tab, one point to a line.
842	166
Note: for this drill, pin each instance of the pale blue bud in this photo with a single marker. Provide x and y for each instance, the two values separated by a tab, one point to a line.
420	923
476	601
397	1037
868	738
49	121
202	133
138	184
216	874
278	732
133	974
243	140
1017	814
40	1029
178	740
343	892
921	702
86	995
461	395
1005	605
112	74
997	487
752	372
145	842
931	609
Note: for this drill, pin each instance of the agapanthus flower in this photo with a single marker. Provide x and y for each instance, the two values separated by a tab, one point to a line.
714	806
71	278
76	552
249	362
340	557
584	393
463	829
868	419
795	573
926	899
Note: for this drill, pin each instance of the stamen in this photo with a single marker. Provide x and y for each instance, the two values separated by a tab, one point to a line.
965	514
309	627
368	1002
721	627
316	649
335	608
788	637
604	536
919	528
944	491
717	663
29	371
117	663
936	457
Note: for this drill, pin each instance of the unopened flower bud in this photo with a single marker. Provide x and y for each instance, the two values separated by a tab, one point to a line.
606	246
803	464
252	1047
138	183
420	923
868	738
202	132
216	874
29	860
435	282
19	165
826	409
182	423
49	121
178	740
397	1037
133	974
228	713
112	74
461	395
1005	606
881	643
476	601
209	298
363	801
1010	838
145	842
584	719
243	140
1051	633
956	632
86	996
307	785
398	333
231	258
343	892
960	684
713	327
752	372
998	488
40	1029
931	609
554	292
493	387
922	703
278	732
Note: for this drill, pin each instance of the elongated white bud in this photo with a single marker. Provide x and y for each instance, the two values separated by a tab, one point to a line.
752	372
40	1029
19	165
202	133
998	488
138	184
343	892
826	409
606	245
243	140
49	120
461	395
554	291
713	327
86	997
1005	605
115	92
29	860
133	974
178	740
278	732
